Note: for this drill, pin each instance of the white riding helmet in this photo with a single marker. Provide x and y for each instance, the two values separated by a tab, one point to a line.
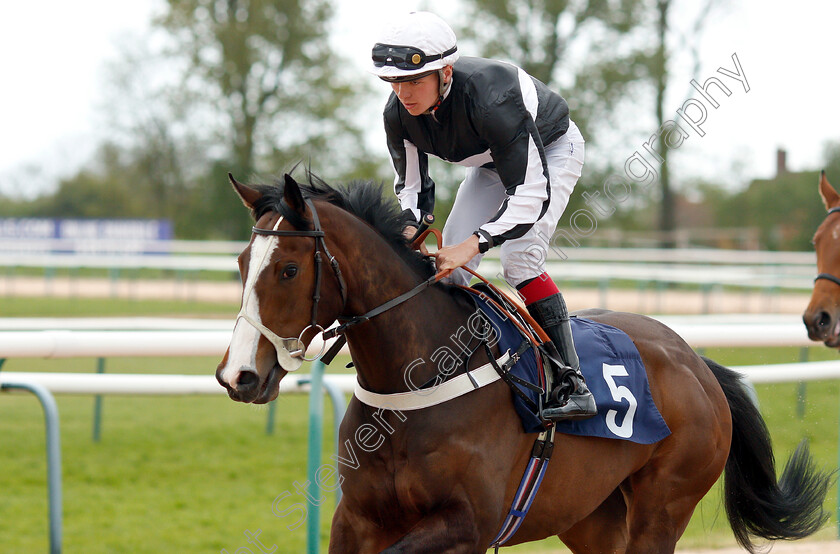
414	44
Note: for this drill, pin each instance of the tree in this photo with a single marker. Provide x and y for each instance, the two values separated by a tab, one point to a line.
250	87
658	74
786	209
98	191
588	50
599	53
243	86
265	74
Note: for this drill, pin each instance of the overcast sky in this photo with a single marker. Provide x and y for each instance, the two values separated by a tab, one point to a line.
53	55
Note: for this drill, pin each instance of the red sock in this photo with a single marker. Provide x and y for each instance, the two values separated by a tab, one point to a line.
537	289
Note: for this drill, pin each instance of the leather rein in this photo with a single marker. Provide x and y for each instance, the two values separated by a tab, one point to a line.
829	276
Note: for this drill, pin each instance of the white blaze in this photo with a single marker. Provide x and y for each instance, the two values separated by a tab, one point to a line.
242	353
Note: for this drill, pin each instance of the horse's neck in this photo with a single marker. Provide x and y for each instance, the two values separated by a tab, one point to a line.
385	346
394	351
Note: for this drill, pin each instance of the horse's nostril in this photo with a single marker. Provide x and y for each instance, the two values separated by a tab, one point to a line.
247	380
823	320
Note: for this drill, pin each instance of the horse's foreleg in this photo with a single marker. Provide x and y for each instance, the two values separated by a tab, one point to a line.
451	530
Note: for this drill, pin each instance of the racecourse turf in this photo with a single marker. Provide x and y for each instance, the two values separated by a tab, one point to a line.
195	474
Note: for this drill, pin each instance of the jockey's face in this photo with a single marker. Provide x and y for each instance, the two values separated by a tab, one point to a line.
421	94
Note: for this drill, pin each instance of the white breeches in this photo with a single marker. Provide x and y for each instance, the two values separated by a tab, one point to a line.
481	194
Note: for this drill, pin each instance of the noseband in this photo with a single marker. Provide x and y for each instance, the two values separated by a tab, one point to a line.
829	276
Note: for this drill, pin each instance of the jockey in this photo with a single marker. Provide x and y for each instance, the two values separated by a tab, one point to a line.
523	156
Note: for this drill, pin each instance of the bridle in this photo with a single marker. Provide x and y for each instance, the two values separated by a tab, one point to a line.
829	276
318	234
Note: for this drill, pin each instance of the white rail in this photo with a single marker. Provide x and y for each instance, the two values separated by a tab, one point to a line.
106	344
147	384
698	331
175	385
762	269
114	324
120	261
221	248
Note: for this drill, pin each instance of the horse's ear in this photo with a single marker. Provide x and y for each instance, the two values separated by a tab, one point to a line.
292	195
248	195
829	196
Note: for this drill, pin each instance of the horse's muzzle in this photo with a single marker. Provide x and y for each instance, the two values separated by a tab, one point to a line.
823	327
248	387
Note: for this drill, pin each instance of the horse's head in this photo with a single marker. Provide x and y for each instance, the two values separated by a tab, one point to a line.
284	274
822	317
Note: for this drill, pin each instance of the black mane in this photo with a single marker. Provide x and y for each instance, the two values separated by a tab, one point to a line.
363	199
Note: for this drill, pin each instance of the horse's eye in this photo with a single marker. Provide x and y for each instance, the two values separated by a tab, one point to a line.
290	271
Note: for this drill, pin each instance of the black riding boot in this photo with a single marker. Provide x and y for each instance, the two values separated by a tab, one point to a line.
570	398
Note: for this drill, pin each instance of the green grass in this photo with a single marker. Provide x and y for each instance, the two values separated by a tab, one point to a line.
105	307
170	474
193	474
124	273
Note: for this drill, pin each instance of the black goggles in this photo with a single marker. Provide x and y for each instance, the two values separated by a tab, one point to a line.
404	57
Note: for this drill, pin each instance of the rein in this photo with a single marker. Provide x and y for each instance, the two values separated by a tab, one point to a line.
338	331
349	322
355	320
543	337
829	276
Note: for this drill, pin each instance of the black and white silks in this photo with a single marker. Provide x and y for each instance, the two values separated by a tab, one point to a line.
493	116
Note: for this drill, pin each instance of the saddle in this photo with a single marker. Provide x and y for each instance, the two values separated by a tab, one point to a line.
610	363
515	332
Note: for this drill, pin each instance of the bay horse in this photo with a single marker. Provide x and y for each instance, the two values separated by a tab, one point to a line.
441	479
822	316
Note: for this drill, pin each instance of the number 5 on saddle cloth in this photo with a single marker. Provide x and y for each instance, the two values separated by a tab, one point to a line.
610	363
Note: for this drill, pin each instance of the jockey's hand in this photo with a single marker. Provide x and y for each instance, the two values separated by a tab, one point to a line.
450	258
408	232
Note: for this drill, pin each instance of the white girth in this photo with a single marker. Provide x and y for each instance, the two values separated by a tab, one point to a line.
424	398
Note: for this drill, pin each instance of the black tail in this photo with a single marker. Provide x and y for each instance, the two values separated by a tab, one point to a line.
756	504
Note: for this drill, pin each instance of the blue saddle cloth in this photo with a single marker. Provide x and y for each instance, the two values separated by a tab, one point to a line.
613	370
